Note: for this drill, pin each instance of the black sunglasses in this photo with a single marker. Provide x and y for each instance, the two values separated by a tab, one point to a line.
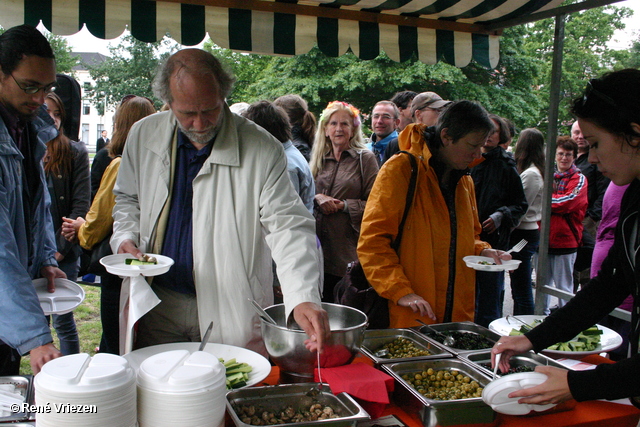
590	92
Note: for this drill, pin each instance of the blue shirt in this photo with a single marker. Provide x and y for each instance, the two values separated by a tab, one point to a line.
300	174
378	146
178	237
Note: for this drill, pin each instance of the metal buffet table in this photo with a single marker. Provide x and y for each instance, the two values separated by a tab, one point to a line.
593	413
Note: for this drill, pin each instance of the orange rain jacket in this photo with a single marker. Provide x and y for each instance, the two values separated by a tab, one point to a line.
423	264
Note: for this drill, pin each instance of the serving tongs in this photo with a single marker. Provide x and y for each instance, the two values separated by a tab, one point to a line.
447	340
527	326
261	312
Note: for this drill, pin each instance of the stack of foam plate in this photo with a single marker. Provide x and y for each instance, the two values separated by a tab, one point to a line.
180	388
496	393
86	391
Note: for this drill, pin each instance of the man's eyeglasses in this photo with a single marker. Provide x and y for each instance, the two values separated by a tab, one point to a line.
382	116
30	90
561	155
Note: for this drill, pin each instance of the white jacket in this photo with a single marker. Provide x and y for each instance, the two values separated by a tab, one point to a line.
243	205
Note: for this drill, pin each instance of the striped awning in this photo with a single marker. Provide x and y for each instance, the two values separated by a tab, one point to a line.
455	31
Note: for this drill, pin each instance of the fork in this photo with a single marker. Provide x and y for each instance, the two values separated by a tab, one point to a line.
518	246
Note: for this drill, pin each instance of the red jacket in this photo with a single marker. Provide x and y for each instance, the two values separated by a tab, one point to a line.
568	208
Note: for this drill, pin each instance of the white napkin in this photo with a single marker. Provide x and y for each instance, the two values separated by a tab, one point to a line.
136	299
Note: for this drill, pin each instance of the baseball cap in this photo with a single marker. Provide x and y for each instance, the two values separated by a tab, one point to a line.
427	99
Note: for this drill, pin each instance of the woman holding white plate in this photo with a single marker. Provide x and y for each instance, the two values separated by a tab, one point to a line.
609	116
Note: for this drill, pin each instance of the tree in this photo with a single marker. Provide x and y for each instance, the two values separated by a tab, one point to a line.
129	69
586	54
517	88
65	61
507	90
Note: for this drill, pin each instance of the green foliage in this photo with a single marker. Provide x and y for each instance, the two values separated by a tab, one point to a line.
586	54
61	49
630	58
129	69
319	79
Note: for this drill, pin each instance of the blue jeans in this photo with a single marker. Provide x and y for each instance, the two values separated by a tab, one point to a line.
521	288
489	295
65	324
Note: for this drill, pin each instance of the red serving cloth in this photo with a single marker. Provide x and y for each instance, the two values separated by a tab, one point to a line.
369	386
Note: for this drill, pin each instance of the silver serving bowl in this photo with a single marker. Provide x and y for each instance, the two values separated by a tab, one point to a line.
286	346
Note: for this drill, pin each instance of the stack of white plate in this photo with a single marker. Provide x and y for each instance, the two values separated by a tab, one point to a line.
86	391
180	388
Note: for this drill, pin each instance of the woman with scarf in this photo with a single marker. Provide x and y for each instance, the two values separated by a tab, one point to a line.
568	208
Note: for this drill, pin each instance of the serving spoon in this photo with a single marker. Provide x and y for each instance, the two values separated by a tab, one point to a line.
448	340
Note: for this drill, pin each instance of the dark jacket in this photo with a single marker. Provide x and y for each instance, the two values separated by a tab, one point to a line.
300	143
598	184
618	277
499	189
100	162
70	196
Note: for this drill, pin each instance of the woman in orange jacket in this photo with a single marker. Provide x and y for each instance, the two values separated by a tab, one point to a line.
427	278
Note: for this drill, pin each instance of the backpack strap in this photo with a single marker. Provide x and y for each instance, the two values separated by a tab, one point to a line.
410	194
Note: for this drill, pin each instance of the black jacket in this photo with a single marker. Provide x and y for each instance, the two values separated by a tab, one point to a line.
619	276
598	184
499	189
70	197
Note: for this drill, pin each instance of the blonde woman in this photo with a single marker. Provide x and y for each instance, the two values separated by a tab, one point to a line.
344	171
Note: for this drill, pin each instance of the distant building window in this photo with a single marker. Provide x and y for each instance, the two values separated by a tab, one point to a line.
85	131
86	108
87	85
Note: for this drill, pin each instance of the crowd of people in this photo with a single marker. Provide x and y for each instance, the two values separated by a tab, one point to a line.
265	202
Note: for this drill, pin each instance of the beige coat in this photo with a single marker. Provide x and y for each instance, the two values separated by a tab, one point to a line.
243	205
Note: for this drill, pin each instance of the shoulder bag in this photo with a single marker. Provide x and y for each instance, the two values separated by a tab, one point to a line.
354	290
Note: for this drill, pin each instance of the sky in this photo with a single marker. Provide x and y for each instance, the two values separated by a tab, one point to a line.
83	41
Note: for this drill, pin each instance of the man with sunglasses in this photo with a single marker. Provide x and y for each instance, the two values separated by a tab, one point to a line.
27	74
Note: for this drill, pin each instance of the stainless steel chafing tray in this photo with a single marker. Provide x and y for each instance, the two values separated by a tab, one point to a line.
23	386
299	396
376	338
529	359
466	327
440	412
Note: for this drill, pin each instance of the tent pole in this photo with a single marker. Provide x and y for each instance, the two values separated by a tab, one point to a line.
552	131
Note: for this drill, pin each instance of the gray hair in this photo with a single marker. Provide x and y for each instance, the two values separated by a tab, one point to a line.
193	61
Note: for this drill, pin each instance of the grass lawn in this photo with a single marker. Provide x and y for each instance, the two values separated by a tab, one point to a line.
87	317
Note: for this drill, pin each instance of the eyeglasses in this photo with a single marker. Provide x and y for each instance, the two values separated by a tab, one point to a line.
561	155
382	116
30	90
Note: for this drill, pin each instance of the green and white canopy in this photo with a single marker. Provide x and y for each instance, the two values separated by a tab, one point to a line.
455	31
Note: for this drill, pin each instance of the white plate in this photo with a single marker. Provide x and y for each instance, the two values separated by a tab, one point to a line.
473	260
67	296
496	392
261	366
115	265
609	340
